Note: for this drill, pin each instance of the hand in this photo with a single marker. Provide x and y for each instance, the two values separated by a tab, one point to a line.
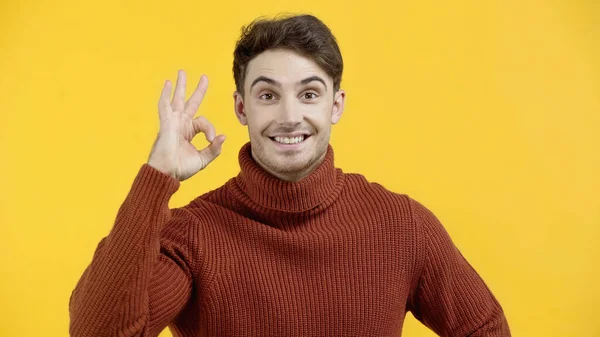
173	152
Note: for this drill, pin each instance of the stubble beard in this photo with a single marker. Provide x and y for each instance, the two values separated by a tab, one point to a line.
289	164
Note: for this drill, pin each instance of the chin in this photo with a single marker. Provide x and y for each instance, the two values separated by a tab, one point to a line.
291	167
288	163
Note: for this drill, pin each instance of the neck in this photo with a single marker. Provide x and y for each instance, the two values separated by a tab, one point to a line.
266	195
291	176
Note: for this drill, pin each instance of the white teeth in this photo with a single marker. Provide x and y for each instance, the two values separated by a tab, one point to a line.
287	140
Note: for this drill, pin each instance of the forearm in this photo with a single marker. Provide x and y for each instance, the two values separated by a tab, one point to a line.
123	262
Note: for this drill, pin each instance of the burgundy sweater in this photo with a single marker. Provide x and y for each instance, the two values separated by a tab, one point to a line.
330	255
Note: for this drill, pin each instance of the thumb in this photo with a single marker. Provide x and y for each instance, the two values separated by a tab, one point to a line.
212	151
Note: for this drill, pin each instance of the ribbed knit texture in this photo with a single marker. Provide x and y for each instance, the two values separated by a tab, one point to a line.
331	255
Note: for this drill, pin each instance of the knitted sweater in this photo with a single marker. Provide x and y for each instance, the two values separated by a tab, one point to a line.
330	255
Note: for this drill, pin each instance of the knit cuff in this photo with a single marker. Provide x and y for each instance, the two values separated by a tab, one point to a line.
152	186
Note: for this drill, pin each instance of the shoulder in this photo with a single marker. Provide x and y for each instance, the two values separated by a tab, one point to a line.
209	208
360	188
371	197
209	200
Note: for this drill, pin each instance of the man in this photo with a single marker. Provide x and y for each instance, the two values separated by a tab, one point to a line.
292	246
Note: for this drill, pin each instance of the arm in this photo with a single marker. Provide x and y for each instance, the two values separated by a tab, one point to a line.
139	277
450	297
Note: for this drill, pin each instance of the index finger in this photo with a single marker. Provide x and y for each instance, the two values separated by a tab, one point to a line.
179	93
163	103
192	105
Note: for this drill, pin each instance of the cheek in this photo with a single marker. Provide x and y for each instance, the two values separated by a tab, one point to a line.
320	118
257	123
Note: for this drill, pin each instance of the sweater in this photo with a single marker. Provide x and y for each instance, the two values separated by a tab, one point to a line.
330	255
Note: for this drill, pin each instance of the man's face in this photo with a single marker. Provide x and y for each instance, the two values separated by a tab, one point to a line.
289	107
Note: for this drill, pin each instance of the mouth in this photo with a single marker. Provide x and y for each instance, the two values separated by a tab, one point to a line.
290	140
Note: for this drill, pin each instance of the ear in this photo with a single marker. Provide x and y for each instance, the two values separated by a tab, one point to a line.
338	106
240	112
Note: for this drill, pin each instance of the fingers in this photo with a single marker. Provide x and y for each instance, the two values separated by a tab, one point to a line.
192	105
212	151
201	124
178	101
163	102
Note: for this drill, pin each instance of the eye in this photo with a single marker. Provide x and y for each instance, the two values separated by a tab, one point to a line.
267	96
310	95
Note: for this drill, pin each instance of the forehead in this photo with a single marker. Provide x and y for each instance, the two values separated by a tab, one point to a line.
284	66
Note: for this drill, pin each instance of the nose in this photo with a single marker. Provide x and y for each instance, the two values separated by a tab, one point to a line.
290	113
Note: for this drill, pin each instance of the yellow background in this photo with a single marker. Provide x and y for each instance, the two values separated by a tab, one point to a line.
488	112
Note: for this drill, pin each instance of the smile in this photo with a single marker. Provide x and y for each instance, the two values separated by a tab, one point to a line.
290	140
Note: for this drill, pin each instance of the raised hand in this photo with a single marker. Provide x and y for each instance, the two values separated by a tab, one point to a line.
173	152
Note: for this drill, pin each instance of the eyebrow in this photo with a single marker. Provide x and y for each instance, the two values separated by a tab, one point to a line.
273	82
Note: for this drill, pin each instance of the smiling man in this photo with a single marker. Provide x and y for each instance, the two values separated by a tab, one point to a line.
289	105
291	246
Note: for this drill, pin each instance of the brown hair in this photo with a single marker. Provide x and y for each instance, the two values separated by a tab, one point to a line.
304	34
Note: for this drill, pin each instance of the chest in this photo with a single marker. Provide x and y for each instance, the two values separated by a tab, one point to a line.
341	282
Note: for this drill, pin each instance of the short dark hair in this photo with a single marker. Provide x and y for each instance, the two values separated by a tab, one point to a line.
304	34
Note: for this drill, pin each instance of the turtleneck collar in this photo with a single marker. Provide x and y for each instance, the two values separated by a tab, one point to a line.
262	192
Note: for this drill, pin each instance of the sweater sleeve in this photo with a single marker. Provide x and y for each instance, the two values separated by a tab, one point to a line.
450	297
140	277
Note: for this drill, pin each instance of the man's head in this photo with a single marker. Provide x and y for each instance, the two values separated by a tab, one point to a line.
287	74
